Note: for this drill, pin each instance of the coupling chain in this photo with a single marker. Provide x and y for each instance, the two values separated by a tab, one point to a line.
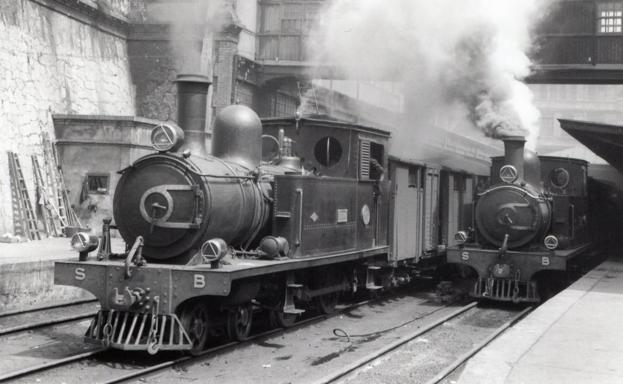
153	344
516	288
107	330
488	287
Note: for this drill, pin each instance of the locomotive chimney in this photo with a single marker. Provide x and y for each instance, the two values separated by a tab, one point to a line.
514	153
192	102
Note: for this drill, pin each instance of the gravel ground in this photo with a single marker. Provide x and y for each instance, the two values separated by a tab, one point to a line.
427	355
26	349
46	315
300	355
309	353
278	357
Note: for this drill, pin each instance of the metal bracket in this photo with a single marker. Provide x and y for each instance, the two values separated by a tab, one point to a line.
370	277
292	290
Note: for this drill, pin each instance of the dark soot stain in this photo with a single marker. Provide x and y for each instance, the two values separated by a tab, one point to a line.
269	345
324	359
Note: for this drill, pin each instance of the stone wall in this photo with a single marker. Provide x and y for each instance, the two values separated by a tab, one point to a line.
103	145
57	57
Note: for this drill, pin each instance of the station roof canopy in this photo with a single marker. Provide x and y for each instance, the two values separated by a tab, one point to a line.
605	140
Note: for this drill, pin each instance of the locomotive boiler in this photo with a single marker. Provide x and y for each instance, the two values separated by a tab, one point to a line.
177	203
528	225
279	218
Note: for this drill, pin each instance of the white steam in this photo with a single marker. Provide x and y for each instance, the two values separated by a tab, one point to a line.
462	58
191	25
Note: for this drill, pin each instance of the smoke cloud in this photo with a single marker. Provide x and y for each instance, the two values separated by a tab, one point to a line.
459	61
191	23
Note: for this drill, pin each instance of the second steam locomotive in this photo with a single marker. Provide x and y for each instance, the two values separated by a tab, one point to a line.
529	225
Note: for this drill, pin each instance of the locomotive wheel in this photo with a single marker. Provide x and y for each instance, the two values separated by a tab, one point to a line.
195	321
326	303
239	322
280	319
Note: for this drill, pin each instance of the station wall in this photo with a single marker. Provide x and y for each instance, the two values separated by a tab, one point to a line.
53	61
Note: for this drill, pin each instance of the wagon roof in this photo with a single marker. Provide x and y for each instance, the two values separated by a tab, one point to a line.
326	121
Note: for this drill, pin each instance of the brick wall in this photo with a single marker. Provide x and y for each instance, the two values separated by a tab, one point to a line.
51	63
226	47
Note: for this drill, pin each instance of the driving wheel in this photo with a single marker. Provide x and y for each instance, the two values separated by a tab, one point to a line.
195	320
239	322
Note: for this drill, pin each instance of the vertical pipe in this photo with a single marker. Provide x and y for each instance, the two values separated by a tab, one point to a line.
192	100
514	153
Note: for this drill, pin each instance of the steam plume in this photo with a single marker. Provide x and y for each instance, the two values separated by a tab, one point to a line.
191	22
464	59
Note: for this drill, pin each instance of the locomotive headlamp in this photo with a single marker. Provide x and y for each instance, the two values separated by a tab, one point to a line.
84	243
213	250
551	242
460	237
165	137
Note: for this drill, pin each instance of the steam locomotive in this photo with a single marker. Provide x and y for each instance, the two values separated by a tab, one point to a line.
530	225
212	239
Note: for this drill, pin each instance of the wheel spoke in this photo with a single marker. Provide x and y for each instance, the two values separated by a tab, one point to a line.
239	322
195	320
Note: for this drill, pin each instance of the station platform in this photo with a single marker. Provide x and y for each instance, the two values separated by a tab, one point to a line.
575	337
27	273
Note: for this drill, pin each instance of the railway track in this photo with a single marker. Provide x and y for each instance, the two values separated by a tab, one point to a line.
24	320
108	366
362	369
130	370
34	330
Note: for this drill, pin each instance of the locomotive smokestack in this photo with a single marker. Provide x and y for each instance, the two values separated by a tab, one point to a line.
514	153
192	100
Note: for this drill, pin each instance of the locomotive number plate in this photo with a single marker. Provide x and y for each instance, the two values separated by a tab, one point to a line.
342	215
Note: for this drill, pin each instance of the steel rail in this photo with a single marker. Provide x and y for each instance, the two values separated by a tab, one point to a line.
466	356
24	327
208	352
18	312
157	367
49	364
390	347
184	359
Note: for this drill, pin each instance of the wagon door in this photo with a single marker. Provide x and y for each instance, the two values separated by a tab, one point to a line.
431	210
452	213
407	222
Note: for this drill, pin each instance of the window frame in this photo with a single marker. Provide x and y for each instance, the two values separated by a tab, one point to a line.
97	174
609	11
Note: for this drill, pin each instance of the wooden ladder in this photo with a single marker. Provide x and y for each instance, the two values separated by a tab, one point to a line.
24	219
63	210
49	213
